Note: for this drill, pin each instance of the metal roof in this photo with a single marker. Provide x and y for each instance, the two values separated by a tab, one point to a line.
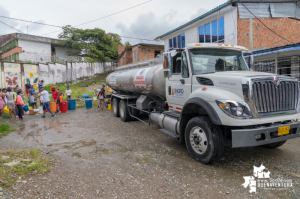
196	19
277	51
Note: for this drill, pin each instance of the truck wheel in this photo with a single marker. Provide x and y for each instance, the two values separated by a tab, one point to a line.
274	145
116	107
204	140
124	114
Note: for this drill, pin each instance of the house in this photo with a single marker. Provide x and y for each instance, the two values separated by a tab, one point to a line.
138	52
20	47
283	60
257	24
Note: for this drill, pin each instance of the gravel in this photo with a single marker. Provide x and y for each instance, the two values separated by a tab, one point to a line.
98	156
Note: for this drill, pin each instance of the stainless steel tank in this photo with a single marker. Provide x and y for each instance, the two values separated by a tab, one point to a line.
140	79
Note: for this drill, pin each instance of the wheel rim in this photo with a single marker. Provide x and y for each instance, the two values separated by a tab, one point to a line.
122	111
115	106
198	140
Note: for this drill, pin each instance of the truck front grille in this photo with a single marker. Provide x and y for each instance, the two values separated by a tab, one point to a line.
267	97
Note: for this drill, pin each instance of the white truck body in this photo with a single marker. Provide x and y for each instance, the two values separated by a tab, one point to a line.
206	96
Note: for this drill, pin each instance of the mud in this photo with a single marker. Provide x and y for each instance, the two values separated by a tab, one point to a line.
99	156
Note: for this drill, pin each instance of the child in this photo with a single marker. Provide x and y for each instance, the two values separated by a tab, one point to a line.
20	104
68	93
32	99
59	99
101	98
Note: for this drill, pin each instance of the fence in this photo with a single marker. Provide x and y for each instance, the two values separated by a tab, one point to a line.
12	74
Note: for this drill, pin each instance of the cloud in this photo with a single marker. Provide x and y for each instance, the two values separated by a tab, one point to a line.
148	26
200	12
22	26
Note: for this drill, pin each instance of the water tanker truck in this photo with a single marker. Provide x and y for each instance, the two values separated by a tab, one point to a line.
205	96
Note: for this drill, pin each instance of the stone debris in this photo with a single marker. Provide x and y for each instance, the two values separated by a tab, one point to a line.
26	160
4	158
13	163
3	181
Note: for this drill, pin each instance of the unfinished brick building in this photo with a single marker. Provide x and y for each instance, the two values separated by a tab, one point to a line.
138	52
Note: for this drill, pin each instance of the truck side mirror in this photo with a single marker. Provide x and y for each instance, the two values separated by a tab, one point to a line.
167	65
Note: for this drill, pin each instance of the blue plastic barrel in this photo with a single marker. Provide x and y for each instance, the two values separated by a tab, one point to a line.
85	96
72	104
88	103
25	108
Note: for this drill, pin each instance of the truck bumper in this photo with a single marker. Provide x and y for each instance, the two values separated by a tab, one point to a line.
246	137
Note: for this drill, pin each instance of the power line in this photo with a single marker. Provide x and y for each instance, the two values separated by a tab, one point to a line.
104	16
11	27
265	24
31	22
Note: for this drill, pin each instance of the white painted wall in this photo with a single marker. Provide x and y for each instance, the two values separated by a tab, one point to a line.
61	51
35	51
192	31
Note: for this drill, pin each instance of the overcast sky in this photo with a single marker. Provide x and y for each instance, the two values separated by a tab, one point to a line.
146	21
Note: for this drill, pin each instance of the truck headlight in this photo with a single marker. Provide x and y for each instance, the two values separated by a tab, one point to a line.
234	108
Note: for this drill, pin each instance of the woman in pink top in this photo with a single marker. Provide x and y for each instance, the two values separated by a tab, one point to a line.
20	104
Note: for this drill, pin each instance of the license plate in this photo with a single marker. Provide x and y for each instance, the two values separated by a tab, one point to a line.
284	130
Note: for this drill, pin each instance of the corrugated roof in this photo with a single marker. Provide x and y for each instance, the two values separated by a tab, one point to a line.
196	19
277	51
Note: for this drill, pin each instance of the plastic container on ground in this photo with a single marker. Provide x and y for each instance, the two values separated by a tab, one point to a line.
85	96
109	107
53	106
72	104
41	111
31	112
88	103
64	106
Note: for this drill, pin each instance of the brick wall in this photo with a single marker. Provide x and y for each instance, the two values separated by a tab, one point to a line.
121	48
264	38
126	58
145	53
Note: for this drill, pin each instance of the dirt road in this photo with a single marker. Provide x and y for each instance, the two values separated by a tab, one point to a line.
98	156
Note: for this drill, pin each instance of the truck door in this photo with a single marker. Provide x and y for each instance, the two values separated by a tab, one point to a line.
179	84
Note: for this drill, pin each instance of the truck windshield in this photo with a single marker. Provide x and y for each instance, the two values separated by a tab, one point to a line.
217	60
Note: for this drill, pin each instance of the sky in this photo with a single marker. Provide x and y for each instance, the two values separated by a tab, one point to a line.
146	21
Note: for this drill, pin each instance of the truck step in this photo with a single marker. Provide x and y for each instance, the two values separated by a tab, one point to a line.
172	114
170	133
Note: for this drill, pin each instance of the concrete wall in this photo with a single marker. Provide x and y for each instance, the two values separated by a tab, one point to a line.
35	51
192	31
12	74
61	51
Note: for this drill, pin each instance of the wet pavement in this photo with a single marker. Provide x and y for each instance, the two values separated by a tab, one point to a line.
99	156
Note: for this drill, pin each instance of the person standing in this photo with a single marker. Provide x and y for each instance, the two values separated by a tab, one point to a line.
20	104
2	101
32	99
46	103
68	93
41	83
10	103
27	86
101	98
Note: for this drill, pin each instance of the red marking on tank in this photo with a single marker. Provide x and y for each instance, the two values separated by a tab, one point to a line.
178	108
142	86
155	70
152	88
170	106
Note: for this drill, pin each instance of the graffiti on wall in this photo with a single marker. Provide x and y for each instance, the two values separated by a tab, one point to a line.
12	79
33	81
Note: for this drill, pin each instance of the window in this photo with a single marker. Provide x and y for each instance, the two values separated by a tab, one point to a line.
210	61
170	43
184	66
179	41
182	40
221	30
207	33
212	32
176	61
156	52
201	34
174	43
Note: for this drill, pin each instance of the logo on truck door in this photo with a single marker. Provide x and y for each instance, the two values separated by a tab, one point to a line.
177	92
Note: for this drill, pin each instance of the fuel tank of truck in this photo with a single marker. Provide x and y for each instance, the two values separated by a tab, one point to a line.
147	80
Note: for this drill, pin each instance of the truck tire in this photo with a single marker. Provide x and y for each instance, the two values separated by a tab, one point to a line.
123	110
204	140
115	105
274	145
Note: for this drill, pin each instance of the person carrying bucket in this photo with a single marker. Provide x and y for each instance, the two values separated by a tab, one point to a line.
20	104
10	103
55	97
46	103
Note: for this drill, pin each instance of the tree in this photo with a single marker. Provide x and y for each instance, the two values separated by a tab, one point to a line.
92	43
127	44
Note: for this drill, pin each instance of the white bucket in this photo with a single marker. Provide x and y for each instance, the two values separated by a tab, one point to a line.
36	110
94	98
40	109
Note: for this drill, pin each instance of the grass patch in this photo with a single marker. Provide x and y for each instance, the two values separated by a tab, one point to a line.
5	129
30	162
147	160
6	116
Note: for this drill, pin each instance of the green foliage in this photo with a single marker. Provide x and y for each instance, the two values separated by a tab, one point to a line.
93	43
5	129
127	44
